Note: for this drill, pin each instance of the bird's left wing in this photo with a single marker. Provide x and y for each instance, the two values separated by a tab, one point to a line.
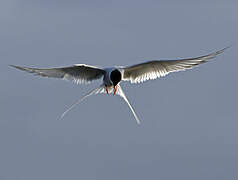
79	73
155	69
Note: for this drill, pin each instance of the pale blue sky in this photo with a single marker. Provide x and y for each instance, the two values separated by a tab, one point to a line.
189	119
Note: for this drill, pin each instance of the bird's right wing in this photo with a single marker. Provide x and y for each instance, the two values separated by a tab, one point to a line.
79	73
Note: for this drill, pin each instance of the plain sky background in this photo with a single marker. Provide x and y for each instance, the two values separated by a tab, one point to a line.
189	119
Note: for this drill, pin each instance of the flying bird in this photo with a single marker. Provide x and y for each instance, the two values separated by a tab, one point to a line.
112	77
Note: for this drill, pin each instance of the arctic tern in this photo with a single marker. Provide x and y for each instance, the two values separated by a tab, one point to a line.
82	73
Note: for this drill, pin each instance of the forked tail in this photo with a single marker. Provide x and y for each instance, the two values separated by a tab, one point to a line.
98	90
92	92
122	94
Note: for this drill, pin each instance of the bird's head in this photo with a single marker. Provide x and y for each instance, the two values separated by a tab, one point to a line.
115	77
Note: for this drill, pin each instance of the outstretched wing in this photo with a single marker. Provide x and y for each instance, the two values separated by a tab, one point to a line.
155	69
79	73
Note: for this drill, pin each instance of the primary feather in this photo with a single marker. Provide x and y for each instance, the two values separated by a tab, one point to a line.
80	73
159	68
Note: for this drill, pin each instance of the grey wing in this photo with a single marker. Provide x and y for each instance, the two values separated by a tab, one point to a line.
155	69
80	73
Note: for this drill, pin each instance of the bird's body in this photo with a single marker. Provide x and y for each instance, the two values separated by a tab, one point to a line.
111	78
106	79
81	73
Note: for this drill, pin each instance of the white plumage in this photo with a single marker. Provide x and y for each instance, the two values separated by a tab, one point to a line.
82	73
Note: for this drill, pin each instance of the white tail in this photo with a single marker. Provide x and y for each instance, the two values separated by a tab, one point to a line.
122	94
98	90
92	92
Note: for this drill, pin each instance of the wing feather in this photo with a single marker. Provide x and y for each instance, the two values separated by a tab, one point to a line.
159	68
80	73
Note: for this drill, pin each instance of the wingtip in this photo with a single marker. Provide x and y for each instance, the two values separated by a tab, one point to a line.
224	49
214	54
22	68
10	65
17	67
